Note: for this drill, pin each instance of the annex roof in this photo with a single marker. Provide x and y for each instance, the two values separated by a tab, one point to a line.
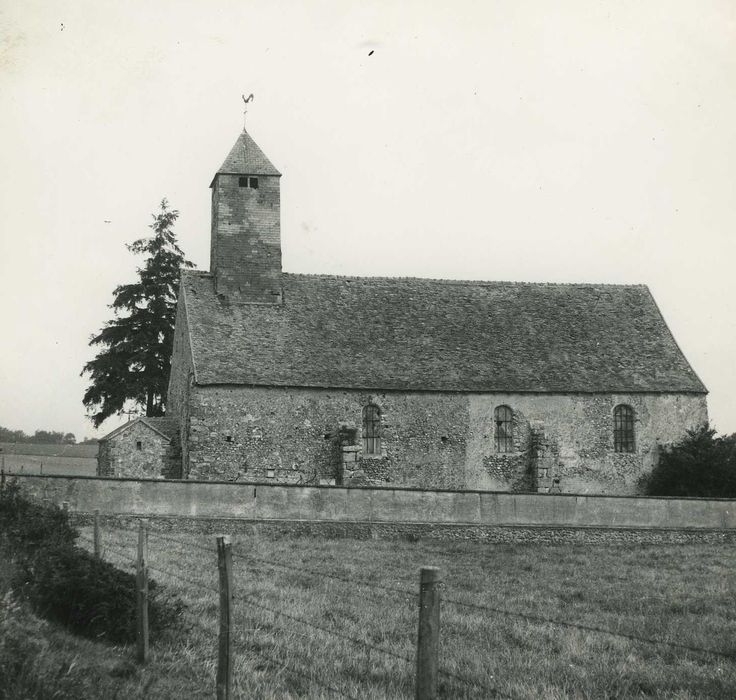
436	335
166	427
246	158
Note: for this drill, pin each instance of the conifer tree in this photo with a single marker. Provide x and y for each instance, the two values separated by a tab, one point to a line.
134	361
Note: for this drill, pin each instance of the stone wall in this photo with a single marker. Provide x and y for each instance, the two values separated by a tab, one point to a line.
137	451
430	439
264	502
413	532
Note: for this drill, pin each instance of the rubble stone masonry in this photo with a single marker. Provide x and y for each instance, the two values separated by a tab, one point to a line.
428	439
137	452
246	240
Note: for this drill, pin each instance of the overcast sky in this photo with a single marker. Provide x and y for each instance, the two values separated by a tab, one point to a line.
529	141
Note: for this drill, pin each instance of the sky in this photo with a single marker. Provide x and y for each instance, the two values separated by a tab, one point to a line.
575	141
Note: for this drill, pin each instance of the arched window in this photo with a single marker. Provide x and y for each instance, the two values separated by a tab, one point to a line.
503	417
371	430
623	428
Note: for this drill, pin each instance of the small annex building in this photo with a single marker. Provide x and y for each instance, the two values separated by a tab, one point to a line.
141	448
322	379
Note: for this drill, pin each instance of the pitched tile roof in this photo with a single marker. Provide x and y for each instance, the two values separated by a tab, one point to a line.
424	334
168	427
246	158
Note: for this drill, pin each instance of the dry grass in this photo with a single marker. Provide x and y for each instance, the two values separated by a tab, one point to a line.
303	634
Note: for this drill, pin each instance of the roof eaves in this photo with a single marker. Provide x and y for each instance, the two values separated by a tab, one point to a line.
495	390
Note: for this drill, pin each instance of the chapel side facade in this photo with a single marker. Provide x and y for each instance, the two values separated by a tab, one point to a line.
441	384
429	439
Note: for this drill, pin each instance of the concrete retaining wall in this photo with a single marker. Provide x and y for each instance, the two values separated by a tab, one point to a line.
207	499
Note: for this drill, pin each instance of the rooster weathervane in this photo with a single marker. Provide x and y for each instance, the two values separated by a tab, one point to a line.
246	100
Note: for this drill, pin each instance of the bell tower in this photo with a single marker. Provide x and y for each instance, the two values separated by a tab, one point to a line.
245	248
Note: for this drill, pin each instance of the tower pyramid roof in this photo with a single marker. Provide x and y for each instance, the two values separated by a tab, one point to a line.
246	158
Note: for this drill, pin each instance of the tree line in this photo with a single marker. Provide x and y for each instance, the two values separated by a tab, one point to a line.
41	437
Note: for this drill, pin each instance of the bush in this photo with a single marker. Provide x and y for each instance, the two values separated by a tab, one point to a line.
701	464
67	584
26	524
90	596
22	644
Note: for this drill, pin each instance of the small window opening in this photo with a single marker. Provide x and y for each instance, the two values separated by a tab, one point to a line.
248	181
371	430
623	428
228	438
504	434
138	445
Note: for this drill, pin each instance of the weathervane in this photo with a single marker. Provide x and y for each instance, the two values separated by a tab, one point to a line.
130	412
245	111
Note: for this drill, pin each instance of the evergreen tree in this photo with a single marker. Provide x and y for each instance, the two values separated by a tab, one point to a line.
135	357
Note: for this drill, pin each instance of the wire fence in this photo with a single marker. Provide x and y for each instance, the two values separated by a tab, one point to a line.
261	623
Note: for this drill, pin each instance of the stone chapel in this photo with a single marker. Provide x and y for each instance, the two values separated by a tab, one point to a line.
322	379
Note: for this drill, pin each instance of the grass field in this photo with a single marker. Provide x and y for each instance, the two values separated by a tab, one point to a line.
31	458
43	450
337	618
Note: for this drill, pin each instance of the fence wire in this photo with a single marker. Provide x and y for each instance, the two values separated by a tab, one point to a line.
471	685
185	545
359	642
321	574
539	619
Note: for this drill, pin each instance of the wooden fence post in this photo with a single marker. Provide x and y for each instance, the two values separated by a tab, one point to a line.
428	634
142	592
96	535
224	665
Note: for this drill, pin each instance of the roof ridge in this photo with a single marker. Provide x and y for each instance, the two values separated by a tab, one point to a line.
442	280
447	280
